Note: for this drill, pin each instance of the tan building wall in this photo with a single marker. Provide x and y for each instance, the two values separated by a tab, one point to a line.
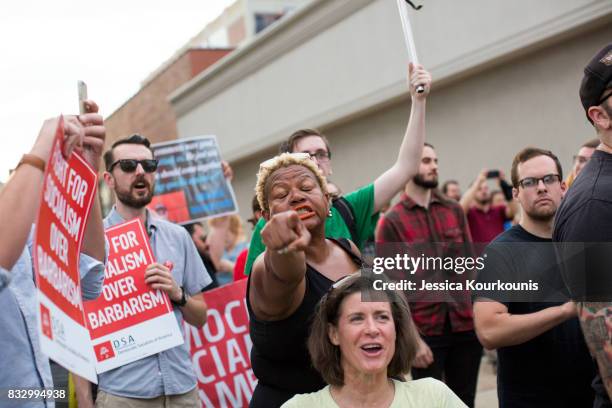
502	82
148	112
483	120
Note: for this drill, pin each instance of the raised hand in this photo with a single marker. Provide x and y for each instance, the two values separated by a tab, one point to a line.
285	232
418	75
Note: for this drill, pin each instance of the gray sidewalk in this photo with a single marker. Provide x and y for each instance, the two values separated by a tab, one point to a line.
486	393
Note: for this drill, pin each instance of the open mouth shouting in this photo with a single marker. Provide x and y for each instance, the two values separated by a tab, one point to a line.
140	186
304	211
372	349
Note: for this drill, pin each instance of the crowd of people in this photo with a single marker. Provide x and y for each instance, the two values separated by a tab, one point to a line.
321	334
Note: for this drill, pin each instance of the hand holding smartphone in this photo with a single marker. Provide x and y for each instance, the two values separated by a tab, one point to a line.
82	89
492	174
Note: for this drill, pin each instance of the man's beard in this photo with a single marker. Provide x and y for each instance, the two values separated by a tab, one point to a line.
131	200
485	201
543	214
420	181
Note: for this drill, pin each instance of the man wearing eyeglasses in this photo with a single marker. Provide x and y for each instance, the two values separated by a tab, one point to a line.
355	215
585	217
165	379
543	360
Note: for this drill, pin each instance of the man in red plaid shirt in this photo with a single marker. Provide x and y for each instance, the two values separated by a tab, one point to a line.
448	347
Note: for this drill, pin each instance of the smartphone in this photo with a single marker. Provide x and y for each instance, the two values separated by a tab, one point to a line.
82	96
493	174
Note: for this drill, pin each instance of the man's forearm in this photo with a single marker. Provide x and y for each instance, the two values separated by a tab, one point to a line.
83	392
93	240
388	184
468	197
596	322
19	203
505	329
195	310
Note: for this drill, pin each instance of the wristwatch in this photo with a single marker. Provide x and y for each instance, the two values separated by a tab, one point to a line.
183	300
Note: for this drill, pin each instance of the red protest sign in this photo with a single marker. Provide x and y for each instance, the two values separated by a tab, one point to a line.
129	320
126	298
220	350
69	187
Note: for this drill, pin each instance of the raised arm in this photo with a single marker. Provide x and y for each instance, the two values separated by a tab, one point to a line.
468	197
278	281
388	184
218	230
93	144
20	198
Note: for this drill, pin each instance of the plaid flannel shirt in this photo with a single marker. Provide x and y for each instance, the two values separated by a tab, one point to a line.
443	222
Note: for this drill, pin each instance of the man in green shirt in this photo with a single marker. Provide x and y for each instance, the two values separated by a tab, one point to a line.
367	201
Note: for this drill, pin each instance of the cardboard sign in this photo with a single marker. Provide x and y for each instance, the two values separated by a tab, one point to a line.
189	184
129	321
221	350
67	197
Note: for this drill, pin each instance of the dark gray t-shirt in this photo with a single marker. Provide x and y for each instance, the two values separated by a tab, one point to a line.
584	227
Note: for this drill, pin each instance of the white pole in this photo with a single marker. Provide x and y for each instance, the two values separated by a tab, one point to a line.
407	28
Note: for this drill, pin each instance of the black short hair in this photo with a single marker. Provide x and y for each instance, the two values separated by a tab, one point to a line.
133	139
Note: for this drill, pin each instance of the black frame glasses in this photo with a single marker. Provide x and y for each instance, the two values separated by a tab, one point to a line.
130	165
533	182
320	155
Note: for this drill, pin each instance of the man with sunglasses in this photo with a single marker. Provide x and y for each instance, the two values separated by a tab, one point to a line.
165	379
542	358
354	216
585	219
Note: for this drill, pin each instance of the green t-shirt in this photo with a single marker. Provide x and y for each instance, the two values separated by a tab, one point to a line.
361	200
423	393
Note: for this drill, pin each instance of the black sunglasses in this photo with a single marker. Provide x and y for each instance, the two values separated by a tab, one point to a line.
130	165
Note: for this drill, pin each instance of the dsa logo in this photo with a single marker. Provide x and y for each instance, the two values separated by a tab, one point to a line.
123	342
104	351
45	321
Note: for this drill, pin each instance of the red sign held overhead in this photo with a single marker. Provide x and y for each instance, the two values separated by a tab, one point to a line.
68	191
69	187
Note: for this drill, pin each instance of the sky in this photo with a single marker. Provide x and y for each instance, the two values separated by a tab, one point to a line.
46	46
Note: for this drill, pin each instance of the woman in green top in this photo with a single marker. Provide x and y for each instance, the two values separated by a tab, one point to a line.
359	347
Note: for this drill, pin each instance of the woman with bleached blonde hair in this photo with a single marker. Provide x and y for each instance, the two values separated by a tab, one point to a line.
290	277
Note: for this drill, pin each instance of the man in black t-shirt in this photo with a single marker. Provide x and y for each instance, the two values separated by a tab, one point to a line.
543	360
584	225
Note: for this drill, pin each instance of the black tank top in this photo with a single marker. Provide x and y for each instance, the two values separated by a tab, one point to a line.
279	356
